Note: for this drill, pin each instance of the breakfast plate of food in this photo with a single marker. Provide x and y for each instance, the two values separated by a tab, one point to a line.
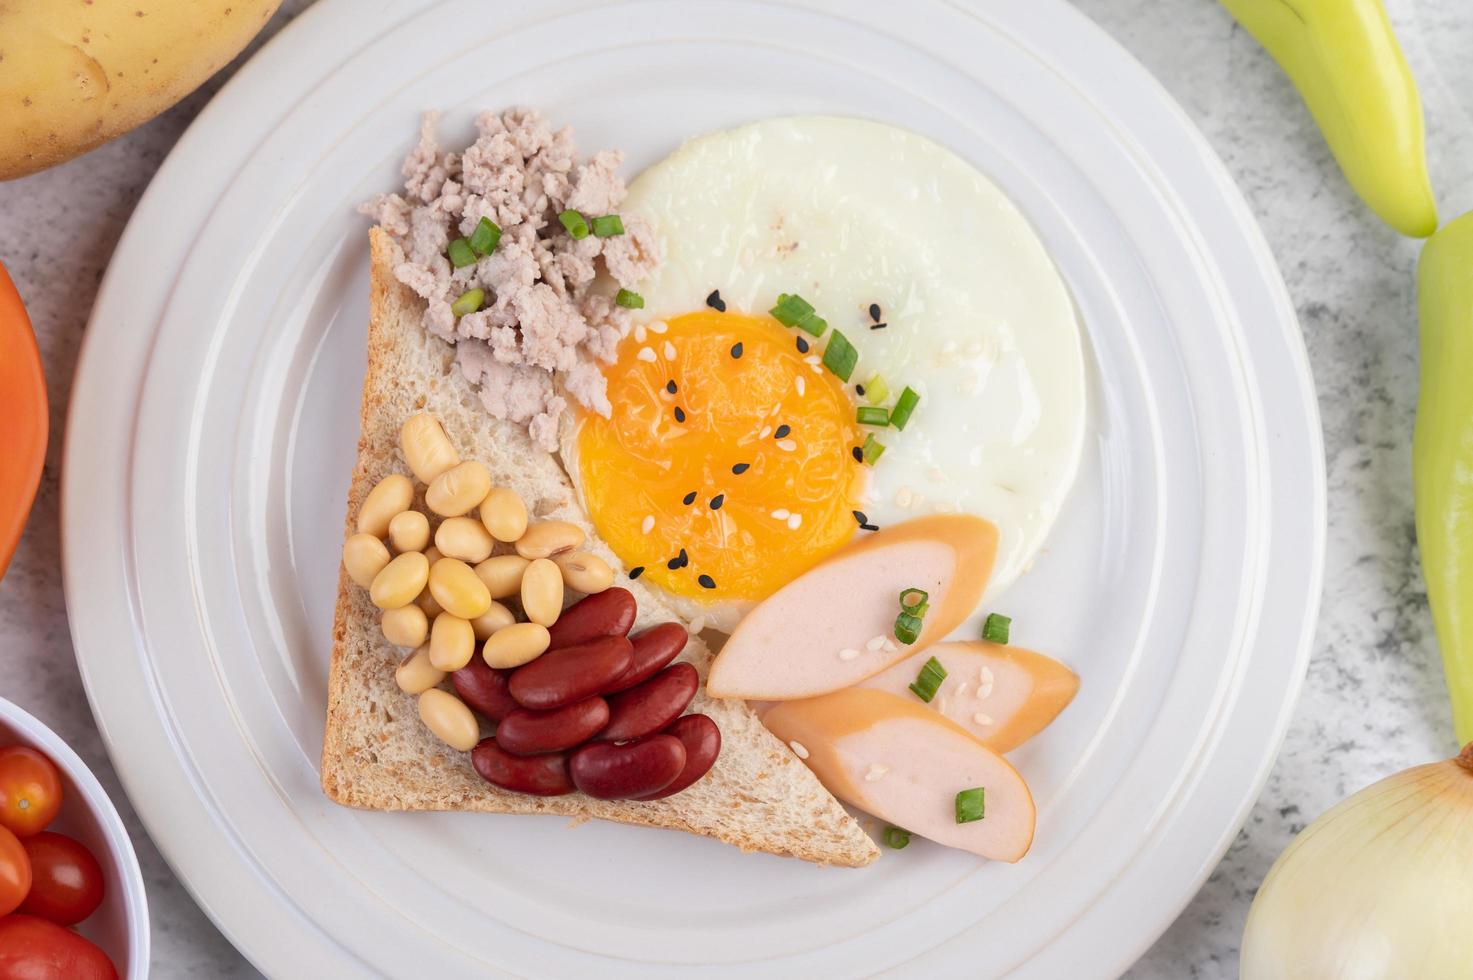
670	489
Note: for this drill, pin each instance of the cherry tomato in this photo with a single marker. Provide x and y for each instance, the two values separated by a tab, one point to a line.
30	790
66	880
15	872
34	949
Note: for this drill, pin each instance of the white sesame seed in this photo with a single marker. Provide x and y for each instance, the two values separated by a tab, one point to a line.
875	772
640	333
815	369
645	354
848	653
669	351
795	521
766	431
986	675
984	692
875	643
648	525
943	704
961	689
800	384
982	719
811	359
781	514
903	497
787	445
799	749
698	624
890	646
658	326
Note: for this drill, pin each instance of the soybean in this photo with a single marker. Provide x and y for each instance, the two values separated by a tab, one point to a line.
426	447
452	642
547	538
401	581
515	645
392	495
416	674
448	717
364	556
457	589
405	626
504	514
459	489
464	538
409	531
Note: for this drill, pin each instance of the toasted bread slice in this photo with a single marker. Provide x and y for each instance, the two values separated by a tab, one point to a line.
377	754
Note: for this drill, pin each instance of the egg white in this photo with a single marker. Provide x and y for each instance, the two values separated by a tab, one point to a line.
846	213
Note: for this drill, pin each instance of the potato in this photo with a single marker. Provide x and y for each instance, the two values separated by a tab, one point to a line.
75	74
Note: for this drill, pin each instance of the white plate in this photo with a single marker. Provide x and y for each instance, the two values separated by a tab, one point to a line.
215	419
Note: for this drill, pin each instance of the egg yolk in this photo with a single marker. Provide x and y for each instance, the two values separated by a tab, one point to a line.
726	445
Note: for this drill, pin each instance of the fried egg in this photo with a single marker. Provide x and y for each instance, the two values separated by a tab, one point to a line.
729	463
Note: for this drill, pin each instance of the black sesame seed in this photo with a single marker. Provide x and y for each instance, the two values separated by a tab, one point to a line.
670	386
690	498
684	558
707	582
717	501
878	326
736	349
858	454
636	572
859	390
869	527
673	563
679	414
716	302
874	312
802	346
859	516
741	468
783	431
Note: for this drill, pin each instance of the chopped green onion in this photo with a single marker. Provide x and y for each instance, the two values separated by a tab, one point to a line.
995	628
876	390
461	254
904	405
629	300
607	226
971	804
911	598
928	682
907	627
573	221
469	302
840	356
871	415
896	838
813	324
486	236
790	309
872	449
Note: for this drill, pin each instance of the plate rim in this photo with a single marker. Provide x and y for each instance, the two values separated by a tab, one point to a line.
94	366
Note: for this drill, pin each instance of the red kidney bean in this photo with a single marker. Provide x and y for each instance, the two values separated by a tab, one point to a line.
484	688
537	775
607	613
560	677
649	707
702	741
653	649
625	772
526	732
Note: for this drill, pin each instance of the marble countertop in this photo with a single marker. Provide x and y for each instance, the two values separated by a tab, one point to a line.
1374	700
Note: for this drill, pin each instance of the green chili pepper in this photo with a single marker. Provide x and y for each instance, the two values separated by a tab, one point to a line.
1343	57
1442	454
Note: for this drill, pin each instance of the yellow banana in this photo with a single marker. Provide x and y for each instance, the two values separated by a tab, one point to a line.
1348	67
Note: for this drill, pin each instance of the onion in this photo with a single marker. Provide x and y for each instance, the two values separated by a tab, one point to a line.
1379	886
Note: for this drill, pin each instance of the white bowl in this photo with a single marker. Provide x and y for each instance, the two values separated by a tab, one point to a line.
120	924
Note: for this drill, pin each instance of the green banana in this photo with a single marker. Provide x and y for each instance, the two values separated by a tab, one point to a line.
1442	454
1348	67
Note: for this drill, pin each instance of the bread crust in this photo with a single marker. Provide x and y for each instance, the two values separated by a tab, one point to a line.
377	755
